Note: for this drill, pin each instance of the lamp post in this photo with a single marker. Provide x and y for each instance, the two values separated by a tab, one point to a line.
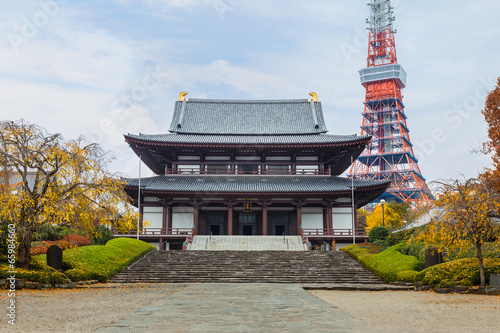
382	202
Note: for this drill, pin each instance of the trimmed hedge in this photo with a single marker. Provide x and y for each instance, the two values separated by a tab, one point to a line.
378	233
386	264
40	273
406	276
101	262
94	262
462	272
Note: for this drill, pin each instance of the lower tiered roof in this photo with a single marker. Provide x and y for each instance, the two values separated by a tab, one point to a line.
273	186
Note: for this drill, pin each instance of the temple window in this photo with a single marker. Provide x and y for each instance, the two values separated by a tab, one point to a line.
248	169
217	169
307	169
278	169
185	169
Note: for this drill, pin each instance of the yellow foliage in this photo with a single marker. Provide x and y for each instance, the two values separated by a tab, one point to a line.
390	218
465	219
63	182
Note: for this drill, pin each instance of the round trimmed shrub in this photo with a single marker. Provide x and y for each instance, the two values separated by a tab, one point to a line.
406	276
378	233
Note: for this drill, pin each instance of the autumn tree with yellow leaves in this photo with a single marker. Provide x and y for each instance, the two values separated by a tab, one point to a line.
465	219
60	182
396	216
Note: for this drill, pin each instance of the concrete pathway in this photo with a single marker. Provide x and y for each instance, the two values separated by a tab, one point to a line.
239	308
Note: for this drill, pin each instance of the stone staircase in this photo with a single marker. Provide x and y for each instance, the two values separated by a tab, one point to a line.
246	267
247	243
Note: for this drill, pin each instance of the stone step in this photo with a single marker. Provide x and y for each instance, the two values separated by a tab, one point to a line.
247	243
246	267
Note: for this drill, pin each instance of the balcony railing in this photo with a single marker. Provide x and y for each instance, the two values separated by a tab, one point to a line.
197	171
156	232
189	232
333	232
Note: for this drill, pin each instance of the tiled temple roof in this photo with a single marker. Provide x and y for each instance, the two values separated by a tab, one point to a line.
247	139
248	117
251	183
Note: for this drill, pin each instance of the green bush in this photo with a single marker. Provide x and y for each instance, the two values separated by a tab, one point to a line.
51	233
379	242
378	233
39	272
101	262
395	238
102	235
406	276
385	264
489	250
415	249
462	272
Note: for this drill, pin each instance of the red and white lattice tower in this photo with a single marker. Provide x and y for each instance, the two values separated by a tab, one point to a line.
390	155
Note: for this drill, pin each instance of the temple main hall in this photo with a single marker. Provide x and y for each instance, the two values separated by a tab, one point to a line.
252	168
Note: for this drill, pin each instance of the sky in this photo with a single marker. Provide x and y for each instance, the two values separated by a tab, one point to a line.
102	69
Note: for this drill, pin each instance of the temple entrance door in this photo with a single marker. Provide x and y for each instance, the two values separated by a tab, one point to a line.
248	224
215	224
280	229
215	229
247	230
279	224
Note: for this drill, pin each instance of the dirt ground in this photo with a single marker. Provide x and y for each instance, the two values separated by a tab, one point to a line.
410	311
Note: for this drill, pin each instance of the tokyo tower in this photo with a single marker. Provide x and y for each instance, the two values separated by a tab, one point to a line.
389	156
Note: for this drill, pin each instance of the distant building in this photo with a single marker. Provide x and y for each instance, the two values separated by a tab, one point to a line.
249	167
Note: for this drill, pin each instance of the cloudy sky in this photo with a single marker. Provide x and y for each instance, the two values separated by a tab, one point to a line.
105	68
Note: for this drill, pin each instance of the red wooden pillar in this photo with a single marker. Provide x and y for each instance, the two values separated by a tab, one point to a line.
329	215
299	218
169	220
195	222
230	219
164	218
264	219
325	218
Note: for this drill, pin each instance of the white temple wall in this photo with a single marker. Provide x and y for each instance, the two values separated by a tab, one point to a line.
154	215
342	218
182	217
312	218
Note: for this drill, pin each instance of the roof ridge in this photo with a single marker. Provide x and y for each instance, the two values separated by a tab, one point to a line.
249	101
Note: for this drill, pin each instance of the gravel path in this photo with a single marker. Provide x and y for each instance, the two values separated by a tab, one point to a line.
79	310
410	311
95	308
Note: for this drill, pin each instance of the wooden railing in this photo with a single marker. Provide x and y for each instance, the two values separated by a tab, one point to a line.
156	232
197	171
333	232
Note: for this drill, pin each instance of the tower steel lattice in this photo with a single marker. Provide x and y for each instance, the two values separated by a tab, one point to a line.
389	156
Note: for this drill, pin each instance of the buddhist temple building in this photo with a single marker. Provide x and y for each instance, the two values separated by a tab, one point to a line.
249	167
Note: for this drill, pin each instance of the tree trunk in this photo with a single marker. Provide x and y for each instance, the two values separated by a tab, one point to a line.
481	266
24	248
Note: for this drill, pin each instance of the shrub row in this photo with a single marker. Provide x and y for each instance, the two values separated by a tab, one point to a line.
95	262
101	262
387	264
462	272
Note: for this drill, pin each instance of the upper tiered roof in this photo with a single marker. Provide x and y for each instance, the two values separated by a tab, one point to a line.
248	117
